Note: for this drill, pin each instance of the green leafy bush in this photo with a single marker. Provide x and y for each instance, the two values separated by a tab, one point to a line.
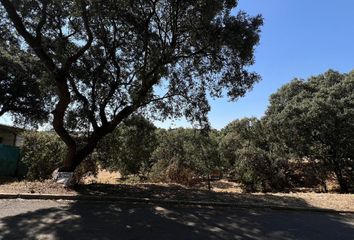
257	171
184	156
129	147
42	153
251	158
172	172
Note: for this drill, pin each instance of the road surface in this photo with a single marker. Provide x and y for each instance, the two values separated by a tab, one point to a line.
38	219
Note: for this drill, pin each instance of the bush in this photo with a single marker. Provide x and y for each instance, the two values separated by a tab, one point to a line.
172	173
305	173
251	157
184	155
42	153
128	149
257	171
157	171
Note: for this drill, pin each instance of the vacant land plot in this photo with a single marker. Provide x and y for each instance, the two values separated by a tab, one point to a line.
221	193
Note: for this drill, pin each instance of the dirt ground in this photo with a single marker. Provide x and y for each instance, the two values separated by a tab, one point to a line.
103	176
223	191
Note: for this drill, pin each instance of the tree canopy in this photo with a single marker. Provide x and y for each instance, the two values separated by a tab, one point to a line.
111	58
128	149
314	119
251	157
21	91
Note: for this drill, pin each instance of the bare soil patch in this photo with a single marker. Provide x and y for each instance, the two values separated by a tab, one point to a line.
45	187
222	192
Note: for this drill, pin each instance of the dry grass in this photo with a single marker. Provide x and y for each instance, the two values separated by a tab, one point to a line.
226	186
37	187
103	176
223	191
344	202
335	201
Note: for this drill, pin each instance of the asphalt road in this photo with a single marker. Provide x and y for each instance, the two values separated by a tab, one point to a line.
34	219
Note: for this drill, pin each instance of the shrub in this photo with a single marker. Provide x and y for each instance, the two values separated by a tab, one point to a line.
42	153
172	172
251	157
184	155
128	149
257	171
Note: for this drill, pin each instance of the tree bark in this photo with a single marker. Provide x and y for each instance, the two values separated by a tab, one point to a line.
209	182
343	184
76	156
58	122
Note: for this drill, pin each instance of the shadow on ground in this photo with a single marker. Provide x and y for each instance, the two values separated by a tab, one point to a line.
178	192
103	220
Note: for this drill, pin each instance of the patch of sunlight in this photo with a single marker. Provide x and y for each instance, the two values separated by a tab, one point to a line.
45	237
162	210
191	224
215	229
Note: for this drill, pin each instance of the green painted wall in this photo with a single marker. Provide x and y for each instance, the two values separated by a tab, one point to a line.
9	161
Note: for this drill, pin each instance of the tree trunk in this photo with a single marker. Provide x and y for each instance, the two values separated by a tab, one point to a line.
74	157
209	182
343	184
69	160
321	176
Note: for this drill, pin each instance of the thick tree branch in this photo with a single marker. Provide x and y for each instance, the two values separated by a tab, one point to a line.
60	109
42	21
60	77
31	40
86	103
82	50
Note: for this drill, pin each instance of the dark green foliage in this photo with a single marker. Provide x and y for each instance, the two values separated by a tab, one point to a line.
251	158
22	90
128	149
42	154
112	58
184	155
314	120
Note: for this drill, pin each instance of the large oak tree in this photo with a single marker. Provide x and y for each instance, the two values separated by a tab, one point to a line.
111	58
314	120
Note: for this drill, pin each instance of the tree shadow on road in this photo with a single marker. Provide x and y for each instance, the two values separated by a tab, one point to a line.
108	220
180	193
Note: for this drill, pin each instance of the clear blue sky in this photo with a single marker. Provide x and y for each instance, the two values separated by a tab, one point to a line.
300	38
